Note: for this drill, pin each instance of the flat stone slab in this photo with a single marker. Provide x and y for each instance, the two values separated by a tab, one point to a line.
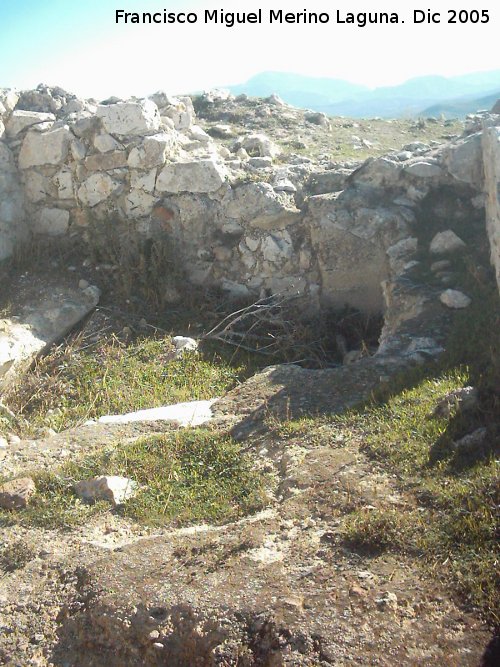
44	317
193	413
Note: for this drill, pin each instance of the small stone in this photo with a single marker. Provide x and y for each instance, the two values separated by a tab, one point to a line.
463	400
13	439
455	299
183	344
158	646
284	185
172	295
472	440
16	493
112	488
154	634
387	601
357	592
446	242
3	443
83	284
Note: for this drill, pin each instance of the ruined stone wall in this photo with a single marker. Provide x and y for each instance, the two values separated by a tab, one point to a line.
491	148
241	219
13	227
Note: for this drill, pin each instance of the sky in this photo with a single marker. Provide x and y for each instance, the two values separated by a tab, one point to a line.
76	44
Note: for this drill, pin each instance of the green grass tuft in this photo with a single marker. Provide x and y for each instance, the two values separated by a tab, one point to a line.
184	476
71	385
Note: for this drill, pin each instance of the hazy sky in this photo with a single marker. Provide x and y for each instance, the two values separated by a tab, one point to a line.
77	45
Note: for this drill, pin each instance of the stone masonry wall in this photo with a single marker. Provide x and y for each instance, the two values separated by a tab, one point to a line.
241	219
491	148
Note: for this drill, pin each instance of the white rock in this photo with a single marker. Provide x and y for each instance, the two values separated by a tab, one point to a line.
139	204
8	99
180	112
152	152
146	181
194	413
446	242
455	299
277	247
52	221
261	144
20	120
96	188
464	160
276	100
45	147
83	284
37	187
198	134
193	176
183	344
260	206
105	143
112	488
130	118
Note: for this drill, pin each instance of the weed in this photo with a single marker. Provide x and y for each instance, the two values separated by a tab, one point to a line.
15	556
374	531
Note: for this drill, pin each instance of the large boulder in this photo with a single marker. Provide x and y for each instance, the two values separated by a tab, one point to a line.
130	118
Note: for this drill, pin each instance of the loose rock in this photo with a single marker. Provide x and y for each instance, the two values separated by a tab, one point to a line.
455	299
16	493
112	488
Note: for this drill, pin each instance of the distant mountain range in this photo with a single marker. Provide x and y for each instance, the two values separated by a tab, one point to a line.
454	97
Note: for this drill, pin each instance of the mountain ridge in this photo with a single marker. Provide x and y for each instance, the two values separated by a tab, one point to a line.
454	96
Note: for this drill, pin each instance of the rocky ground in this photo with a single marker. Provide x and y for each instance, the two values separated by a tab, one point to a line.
273	589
